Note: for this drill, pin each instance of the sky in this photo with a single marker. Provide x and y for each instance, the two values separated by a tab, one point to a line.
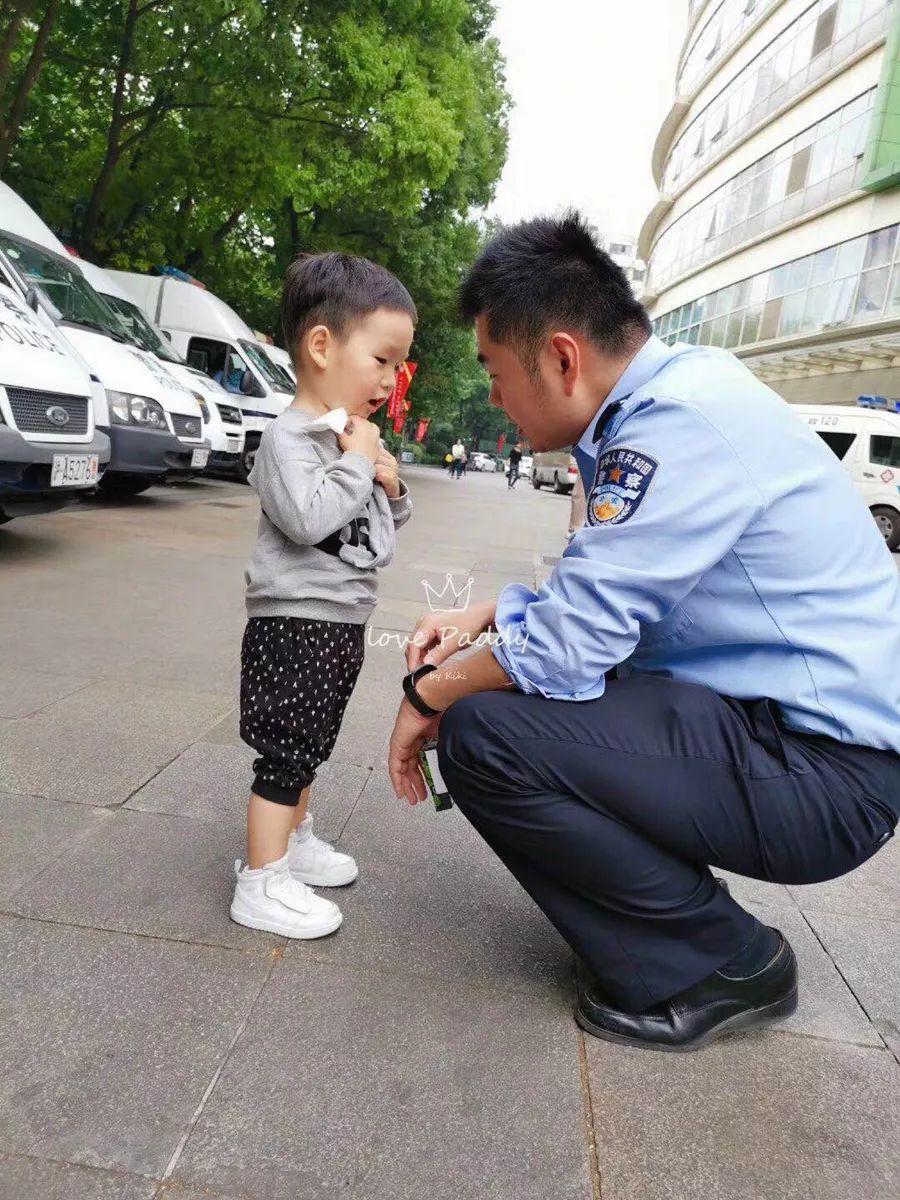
591	81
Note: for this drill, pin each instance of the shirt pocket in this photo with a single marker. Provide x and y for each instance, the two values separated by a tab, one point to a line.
671	629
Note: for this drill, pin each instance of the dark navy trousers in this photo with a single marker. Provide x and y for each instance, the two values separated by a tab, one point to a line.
611	812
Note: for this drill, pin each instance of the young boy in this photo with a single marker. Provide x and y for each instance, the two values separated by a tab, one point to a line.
331	498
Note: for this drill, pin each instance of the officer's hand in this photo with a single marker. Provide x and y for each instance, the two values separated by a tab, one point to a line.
361	437
411	731
387	473
440	634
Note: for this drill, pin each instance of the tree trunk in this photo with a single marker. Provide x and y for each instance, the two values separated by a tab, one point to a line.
113	154
32	72
17	14
293	227
198	254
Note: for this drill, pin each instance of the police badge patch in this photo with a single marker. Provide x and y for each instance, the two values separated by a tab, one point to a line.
620	484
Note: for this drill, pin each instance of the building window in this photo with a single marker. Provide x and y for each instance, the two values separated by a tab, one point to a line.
835	286
828	32
824	34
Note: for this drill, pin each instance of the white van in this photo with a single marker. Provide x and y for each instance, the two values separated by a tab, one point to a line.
557	468
223	426
282	359
50	448
866	438
154	425
214	339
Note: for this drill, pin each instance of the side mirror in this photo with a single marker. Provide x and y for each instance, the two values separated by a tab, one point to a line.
31	299
249	385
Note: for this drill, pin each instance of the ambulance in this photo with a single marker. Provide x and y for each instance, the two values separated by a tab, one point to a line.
866	438
50	448
215	340
154	425
223	426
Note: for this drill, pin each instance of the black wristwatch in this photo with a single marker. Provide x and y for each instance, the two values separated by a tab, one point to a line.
409	687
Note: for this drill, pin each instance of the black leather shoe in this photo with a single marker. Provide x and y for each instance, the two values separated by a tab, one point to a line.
707	1010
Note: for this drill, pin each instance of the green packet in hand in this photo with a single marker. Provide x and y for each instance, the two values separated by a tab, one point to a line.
428	761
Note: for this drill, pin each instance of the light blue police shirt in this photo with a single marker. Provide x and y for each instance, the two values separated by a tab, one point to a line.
724	545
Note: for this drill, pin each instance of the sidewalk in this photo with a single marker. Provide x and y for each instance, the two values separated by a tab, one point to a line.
152	1048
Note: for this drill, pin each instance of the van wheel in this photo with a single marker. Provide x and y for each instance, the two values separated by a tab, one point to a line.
561	489
247	459
535	482
888	521
123	487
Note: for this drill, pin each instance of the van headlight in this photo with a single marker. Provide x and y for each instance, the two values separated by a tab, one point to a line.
136	410
204	408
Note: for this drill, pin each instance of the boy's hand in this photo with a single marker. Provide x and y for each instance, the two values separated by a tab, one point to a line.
361	437
387	473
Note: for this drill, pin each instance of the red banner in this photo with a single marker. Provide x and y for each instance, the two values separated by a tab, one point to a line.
501	442
398	405
422	430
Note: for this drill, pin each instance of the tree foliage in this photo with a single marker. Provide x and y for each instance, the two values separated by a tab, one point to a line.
225	136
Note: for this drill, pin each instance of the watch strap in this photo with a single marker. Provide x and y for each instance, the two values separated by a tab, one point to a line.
412	695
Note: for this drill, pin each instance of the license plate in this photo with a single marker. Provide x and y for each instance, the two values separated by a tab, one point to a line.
74	470
200	458
233	444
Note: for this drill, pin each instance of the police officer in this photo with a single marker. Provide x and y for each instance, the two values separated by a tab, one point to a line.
709	678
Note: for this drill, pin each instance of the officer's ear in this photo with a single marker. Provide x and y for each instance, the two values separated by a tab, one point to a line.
566	360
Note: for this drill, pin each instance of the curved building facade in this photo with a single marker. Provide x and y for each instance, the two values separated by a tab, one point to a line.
775	234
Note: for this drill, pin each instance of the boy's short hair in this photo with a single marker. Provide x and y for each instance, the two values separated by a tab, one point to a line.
551	273
336	290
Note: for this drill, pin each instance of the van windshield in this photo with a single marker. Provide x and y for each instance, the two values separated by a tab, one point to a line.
272	374
141	331
64	286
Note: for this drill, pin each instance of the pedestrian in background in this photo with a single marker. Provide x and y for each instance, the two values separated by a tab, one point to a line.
458	451
515	459
331	498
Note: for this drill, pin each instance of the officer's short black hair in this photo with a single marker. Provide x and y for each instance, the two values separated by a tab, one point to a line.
551	273
336	290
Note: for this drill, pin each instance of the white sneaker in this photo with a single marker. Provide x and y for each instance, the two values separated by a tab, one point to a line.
317	863
271	898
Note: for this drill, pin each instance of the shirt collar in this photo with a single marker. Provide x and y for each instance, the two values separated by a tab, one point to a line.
648	361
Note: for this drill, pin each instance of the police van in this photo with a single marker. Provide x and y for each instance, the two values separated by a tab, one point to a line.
223	426
214	339
50	448
866	438
154	425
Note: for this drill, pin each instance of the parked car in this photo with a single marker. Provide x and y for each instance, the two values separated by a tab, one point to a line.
525	466
50	447
153	424
556	468
481	461
214	339
866	438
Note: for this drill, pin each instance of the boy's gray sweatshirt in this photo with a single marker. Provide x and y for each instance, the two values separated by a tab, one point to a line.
325	528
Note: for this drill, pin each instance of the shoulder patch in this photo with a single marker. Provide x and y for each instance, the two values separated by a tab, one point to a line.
620	484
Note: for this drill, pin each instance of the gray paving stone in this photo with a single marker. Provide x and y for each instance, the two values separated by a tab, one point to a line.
227	732
827	1008
23	692
871	890
756	891
99	745
399	1102
148	873
109	1042
767	1117
33	1179
212	782
432	900
35	831
867	953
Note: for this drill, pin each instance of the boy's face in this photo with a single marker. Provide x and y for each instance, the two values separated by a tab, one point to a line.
360	370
